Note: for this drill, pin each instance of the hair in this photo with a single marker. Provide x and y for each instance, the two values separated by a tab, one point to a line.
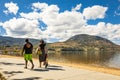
26	40
42	41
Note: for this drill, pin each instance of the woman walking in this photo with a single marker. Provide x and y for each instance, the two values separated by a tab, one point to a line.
42	53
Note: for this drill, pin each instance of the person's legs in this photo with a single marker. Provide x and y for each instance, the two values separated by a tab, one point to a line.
26	62
40	60
32	64
40	63
46	62
30	59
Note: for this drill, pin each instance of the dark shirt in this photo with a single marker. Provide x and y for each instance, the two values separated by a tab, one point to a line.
42	47
28	47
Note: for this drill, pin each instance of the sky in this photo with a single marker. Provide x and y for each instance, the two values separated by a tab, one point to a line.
58	20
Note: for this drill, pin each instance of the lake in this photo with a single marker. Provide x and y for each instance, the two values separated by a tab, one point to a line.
103	58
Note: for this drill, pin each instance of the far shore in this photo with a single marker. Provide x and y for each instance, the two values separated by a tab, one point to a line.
112	71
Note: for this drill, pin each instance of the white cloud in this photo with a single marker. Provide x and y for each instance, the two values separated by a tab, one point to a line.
39	6
31	15
60	25
95	12
22	28
1	24
106	30
11	8
77	7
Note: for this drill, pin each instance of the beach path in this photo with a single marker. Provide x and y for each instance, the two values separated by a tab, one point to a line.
13	69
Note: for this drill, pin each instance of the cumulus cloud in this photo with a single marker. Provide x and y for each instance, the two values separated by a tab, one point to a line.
106	30
1	24
95	12
39	6
60	25
77	7
31	15
22	27
11	8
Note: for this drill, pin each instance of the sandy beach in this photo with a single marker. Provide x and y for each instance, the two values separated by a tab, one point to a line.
12	68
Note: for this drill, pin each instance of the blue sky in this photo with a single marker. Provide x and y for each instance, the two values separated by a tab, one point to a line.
58	20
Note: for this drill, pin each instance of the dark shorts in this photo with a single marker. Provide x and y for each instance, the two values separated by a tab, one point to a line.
42	57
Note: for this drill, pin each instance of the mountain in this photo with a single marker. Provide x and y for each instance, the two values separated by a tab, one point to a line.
10	41
89	40
81	42
84	42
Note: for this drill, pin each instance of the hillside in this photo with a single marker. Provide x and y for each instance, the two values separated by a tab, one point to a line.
80	42
10	41
88	40
85	42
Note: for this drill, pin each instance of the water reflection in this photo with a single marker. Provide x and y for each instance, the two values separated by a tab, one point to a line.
91	57
115	61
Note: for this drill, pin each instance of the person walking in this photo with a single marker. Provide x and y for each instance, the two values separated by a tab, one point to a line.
27	51
42	53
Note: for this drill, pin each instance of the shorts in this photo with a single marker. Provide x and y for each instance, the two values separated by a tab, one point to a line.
28	56
42	57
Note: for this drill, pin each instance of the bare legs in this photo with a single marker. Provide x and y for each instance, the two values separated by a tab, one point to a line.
40	63
42	59
26	62
45	63
32	64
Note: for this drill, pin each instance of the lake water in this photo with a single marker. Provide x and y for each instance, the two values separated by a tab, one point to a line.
108	59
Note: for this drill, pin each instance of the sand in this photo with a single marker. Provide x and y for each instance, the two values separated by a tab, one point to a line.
62	71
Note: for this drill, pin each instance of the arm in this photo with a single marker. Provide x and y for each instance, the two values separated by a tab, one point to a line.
36	51
31	45
46	50
23	50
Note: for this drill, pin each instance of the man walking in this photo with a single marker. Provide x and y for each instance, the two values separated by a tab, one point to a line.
27	50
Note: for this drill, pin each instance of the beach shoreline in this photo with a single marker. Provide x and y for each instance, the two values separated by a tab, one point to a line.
96	68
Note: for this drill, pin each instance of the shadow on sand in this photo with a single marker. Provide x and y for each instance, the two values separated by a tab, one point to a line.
31	78
50	67
12	73
6	63
20	64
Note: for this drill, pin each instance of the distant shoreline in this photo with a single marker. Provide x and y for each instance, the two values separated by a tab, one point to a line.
113	71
